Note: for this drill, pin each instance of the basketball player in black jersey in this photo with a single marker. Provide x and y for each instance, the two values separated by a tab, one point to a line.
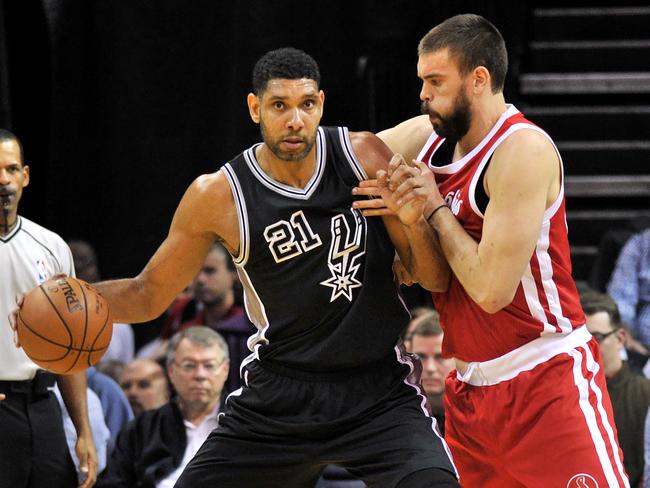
327	381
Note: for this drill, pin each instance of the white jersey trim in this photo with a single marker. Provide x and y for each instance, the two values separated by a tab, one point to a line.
407	360
14	231
546	275
529	285
541	247
457	165
550	211
524	358
355	164
286	190
243	374
427	146
256	312
591	415
241	258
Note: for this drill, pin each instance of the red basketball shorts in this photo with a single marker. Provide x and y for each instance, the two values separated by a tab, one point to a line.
537	417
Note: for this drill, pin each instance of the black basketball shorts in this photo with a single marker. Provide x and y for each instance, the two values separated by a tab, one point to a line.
282	428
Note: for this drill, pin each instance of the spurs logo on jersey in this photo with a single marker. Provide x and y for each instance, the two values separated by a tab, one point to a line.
284	243
345	251
453	201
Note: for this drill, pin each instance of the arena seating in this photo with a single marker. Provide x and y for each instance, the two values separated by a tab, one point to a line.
586	80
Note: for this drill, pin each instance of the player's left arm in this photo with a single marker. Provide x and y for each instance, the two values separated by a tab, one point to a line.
412	237
522	181
73	392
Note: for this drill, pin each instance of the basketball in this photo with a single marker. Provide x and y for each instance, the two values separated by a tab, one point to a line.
64	325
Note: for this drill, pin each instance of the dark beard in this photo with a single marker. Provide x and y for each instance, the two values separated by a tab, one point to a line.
274	146
455	125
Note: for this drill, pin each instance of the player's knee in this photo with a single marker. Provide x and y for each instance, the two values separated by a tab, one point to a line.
427	478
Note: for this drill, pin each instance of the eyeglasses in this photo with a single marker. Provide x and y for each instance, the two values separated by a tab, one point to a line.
601	337
210	367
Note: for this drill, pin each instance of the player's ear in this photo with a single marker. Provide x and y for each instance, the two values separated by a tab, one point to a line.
26	173
254	107
481	79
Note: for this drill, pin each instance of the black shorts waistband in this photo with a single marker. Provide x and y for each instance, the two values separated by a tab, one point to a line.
40	384
381	366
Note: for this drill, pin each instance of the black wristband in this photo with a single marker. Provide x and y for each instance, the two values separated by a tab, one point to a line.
434	212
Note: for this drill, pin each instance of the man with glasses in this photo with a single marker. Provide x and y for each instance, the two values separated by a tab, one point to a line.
629	392
154	449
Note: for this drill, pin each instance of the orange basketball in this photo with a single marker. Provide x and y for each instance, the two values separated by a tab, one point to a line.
64	325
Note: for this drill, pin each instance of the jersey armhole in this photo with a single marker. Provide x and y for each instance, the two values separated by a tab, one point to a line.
241	258
350	156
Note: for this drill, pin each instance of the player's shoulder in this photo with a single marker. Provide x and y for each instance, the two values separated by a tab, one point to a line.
210	186
525	157
527	138
525	146
372	152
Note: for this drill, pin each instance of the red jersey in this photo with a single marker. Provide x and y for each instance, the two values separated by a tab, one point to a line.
546	301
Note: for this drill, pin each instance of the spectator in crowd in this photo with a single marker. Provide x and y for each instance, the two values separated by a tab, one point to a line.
418	314
425	341
116	409
86	265
629	285
154	449
145	385
629	392
212	303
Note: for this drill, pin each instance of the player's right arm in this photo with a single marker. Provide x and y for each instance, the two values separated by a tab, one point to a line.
206	213
408	137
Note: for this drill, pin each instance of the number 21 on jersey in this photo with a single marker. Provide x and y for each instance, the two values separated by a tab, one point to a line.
288	239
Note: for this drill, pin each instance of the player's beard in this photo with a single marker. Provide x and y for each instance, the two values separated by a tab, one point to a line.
274	145
209	298
455	125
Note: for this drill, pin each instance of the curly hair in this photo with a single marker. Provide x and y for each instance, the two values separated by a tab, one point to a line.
285	63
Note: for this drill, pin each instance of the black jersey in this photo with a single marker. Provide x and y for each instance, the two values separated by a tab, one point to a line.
317	275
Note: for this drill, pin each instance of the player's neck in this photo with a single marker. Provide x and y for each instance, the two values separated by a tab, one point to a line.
292	173
484	117
7	223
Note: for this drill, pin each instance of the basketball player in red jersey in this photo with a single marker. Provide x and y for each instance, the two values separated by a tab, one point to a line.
528	404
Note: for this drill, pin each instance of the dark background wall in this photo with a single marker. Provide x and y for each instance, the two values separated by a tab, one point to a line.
120	105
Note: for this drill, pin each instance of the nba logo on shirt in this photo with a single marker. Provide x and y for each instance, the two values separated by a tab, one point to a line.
453	201
41	270
582	481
